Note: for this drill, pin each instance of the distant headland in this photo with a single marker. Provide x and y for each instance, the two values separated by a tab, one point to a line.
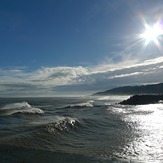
153	89
142	100
140	95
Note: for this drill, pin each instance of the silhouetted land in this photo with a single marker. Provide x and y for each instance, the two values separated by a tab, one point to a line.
142	99
132	90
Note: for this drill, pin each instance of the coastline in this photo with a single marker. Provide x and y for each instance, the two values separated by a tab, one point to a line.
142	99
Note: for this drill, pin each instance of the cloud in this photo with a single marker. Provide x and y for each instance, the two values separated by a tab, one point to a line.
49	81
56	76
44	79
127	64
126	75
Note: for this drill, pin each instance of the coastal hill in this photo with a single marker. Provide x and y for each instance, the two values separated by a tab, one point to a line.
152	89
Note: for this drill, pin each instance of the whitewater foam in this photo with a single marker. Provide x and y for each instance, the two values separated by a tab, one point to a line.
88	104
17	105
22	107
55	123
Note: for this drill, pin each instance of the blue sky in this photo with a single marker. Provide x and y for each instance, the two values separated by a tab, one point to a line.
53	47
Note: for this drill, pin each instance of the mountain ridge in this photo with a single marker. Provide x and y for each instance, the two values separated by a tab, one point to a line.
131	90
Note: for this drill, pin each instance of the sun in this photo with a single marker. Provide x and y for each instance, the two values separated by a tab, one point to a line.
152	33
151	38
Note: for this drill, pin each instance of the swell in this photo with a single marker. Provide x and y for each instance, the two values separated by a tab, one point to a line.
56	123
90	134
43	134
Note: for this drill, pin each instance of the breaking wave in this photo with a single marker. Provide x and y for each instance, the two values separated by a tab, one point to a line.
57	124
88	104
17	108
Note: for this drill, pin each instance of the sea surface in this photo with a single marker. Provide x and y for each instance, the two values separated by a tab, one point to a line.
79	129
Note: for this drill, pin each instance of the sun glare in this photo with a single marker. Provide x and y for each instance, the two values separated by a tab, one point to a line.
152	33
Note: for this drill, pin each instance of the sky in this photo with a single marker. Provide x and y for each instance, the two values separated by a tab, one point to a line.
67	47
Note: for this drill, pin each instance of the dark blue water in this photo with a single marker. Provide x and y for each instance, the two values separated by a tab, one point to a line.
84	129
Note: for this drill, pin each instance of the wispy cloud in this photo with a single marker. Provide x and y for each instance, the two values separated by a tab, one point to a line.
125	75
47	80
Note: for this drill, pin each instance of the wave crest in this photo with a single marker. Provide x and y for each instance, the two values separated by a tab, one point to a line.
63	125
88	104
56	124
17	108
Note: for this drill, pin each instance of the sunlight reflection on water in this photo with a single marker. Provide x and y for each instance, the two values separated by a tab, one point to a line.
147	133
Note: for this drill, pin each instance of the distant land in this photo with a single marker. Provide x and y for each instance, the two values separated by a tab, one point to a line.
143	99
151	89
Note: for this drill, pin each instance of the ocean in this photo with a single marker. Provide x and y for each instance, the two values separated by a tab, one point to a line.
79	130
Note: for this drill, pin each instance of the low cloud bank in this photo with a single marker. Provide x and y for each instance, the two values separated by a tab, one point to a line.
50	81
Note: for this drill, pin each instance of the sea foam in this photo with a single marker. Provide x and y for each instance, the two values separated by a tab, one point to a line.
22	107
88	104
56	123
